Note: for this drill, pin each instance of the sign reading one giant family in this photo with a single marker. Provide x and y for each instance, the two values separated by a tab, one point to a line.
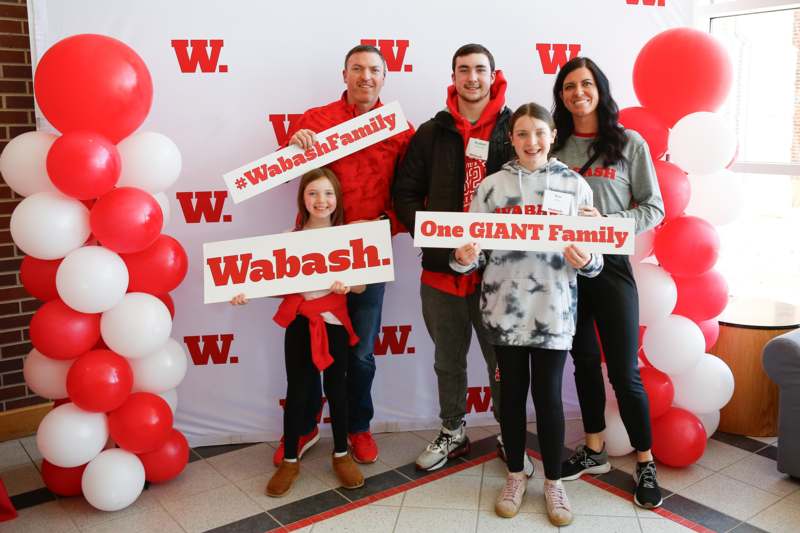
536	233
298	261
332	144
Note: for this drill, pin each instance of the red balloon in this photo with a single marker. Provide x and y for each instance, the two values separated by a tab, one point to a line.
99	381
710	329
141	424
168	461
701	297
38	276
83	165
643	357
687	246
93	83
682	71
60	332
648	126
167	299
659	389
157	269
679	438
126	220
63	481
675	188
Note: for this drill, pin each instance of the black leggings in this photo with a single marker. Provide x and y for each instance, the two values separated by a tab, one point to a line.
300	375
547	368
611	301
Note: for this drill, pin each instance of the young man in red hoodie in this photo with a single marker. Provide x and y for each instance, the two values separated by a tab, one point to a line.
446	161
366	178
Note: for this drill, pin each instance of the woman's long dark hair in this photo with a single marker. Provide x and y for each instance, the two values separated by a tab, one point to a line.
611	138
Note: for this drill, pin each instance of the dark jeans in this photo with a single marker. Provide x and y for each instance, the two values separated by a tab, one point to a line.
365	314
522	367
612	302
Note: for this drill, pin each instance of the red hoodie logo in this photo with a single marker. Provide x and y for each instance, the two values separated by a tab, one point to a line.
199	204
215	348
659	3
479	399
281	128
553	56
393	340
394	59
200	56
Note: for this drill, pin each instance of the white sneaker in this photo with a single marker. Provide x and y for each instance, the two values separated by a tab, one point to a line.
527	464
555	498
510	498
447	445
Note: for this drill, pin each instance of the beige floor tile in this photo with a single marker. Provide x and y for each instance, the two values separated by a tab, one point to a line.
414	520
603	524
473	471
452	492
661	525
497	468
783	517
573	430
21	479
730	496
392	501
675	479
488	522
626	463
49	517
718	455
85	516
761	472
306	485
29	443
12	455
211	509
766	440
586	499
197	477
532	502
322	469
244	463
367	519
152	520
398	449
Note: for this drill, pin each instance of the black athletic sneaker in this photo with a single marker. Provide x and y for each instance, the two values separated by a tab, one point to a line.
585	461
647	494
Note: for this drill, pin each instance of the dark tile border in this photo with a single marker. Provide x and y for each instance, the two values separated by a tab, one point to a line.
770	452
744	527
308	507
739	441
210	451
700	514
32	498
252	524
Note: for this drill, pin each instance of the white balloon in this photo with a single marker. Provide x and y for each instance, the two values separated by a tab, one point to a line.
160	371
615	435
69	436
718	197
23	163
702	143
49	225
113	480
136	327
171	397
92	279
705	388
657	292
45	376
643	246
710	422
150	161
163	202
673	344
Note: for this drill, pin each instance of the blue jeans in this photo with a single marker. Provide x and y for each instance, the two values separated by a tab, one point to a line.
365	314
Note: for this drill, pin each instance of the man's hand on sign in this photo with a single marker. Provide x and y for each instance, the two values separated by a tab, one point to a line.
576	257
588	211
239	299
304	139
340	288
468	254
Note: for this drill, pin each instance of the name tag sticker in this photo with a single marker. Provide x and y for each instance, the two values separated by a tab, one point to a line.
556	202
478	149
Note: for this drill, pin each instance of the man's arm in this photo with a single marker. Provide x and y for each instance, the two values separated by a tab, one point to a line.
410	186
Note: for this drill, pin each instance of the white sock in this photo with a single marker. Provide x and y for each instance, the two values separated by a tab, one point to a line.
339	454
290	460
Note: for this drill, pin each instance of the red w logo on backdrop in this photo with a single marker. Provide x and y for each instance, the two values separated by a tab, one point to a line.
393	340
659	3
215	348
393	51
553	56
199	205
204	54
281	124
479	399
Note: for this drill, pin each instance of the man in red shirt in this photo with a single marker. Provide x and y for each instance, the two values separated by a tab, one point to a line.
366	178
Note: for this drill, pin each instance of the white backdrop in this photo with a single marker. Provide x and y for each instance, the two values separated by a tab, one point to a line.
281	58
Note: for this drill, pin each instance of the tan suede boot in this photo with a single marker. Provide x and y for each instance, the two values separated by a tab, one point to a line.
347	471
281	481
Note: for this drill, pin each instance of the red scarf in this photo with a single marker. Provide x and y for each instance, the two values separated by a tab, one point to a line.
294	304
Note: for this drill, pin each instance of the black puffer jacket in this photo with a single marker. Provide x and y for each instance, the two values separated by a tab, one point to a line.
431	175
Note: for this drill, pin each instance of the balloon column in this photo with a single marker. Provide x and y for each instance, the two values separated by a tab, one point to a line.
681	76
90	226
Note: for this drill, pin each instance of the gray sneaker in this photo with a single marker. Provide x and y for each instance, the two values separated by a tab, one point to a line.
585	461
527	464
447	445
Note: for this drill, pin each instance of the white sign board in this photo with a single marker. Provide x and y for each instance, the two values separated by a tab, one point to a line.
298	261
537	233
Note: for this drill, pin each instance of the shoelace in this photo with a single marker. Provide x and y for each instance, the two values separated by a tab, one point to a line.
647	476
581	456
557	495
511	489
442	442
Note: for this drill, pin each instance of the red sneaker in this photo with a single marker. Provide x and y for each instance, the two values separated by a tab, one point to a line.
363	447
303	445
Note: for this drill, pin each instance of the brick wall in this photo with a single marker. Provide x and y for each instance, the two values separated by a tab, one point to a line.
16	117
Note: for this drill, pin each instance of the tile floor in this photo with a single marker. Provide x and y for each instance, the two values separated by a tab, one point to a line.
733	487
